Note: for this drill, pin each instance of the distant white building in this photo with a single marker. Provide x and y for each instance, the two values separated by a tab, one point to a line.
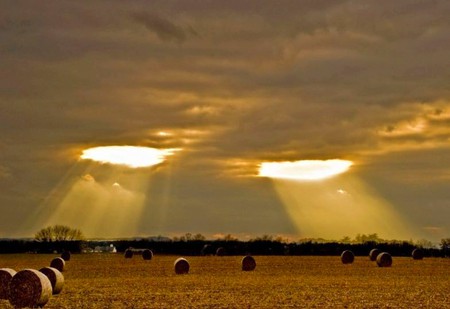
107	249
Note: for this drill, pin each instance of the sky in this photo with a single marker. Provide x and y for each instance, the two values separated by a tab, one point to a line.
227	85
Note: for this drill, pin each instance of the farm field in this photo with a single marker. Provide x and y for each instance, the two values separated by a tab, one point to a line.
111	281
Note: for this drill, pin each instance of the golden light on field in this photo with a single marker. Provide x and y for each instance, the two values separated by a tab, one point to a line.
131	156
338	207
308	170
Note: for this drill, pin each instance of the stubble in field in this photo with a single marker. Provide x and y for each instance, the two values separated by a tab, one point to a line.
111	281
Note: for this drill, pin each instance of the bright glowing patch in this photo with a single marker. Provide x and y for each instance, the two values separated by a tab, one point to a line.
131	156
342	192
305	169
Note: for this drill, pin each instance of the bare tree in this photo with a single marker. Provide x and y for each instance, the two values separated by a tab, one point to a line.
360	239
424	243
58	233
445	246
198	236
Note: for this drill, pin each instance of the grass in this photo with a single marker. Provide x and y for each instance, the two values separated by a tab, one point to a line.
111	281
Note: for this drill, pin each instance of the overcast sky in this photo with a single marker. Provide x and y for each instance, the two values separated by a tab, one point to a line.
232	84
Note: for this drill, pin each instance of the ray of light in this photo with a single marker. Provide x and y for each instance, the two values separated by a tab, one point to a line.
40	214
103	200
308	170
342	206
161	213
102	209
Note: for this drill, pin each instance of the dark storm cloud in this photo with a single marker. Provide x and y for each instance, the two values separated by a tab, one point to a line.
162	27
247	81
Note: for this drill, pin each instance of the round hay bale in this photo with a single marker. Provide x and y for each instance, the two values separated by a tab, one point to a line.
417	254
181	266
6	275
220	251
347	257
58	263
147	254
207	250
29	288
66	256
373	254
56	278
128	254
384	259
248	263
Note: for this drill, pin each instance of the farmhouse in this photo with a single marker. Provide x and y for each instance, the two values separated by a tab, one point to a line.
106	249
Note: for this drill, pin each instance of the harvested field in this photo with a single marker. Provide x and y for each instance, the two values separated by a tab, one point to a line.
109	281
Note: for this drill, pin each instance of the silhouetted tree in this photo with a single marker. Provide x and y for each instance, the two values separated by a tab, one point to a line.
424	243
198	237
363	238
445	246
58	233
265	237
228	237
345	240
190	237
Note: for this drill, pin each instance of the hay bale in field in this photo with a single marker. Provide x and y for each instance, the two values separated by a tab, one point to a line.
56	278
248	263
347	257
58	263
128	254
147	254
66	256
373	254
29	288
384	259
220	251
417	254
6	275
207	250
181	266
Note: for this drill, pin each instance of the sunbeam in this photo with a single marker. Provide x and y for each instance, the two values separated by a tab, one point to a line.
104	200
341	206
102	209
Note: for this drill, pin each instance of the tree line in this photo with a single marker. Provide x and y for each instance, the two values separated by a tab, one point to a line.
60	238
263	246
231	247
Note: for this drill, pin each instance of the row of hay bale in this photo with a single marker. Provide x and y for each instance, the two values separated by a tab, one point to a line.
416	254
181	265
30	288
209	250
383	259
147	254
